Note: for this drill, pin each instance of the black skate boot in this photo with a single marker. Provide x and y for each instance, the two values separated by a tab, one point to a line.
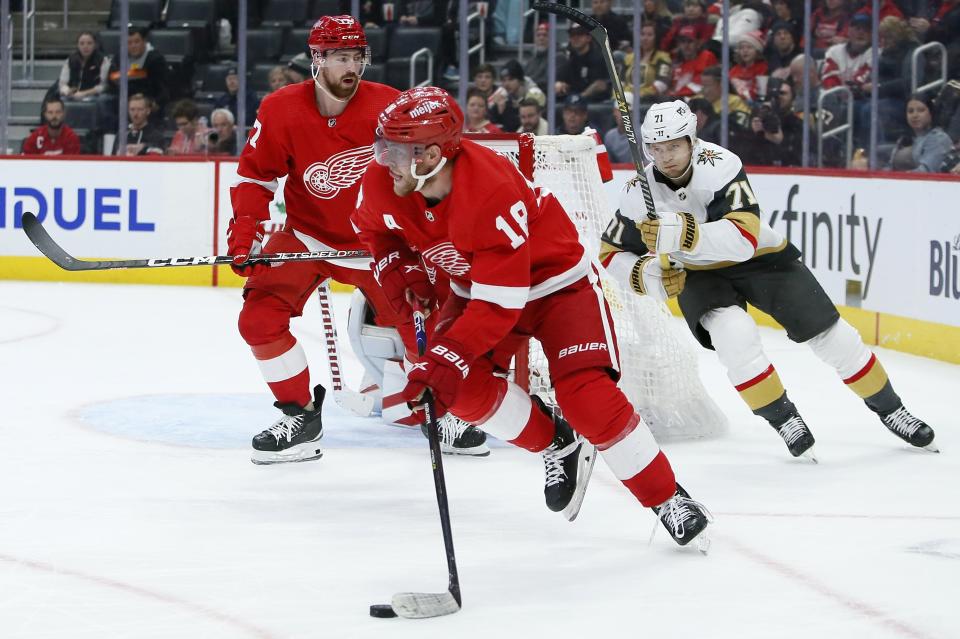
797	436
457	437
685	519
295	437
568	464
914	431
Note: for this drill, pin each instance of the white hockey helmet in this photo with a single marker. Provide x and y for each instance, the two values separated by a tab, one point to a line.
668	121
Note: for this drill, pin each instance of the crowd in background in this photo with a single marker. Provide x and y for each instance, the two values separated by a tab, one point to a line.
173	111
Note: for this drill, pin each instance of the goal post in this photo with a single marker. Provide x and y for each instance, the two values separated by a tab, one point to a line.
659	364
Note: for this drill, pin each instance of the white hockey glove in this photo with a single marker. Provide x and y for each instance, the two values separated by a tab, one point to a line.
649	278
671	232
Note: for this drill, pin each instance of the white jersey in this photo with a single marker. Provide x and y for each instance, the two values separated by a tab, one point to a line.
721	201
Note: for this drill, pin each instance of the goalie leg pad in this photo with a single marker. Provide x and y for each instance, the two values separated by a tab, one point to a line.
373	345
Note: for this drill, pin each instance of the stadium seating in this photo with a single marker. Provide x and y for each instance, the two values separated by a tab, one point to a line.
142	13
403	43
284	13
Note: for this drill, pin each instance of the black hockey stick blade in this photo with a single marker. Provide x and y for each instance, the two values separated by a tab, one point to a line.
569	13
53	251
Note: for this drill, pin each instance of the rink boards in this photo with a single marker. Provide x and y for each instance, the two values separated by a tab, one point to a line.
885	247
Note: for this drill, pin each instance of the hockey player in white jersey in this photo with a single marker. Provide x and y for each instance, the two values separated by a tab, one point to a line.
709	222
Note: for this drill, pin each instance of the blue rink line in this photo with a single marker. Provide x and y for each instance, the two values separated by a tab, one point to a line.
229	421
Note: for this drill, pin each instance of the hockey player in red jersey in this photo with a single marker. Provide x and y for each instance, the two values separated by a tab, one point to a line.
516	270
318	133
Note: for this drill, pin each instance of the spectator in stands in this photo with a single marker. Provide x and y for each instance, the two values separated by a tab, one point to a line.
584	75
483	76
298	68
708	121
371	13
745	16
924	150
775	135
944	27
712	89
229	99
888	8
897	43
148	69
750	66
142	137
223	140
536	67
790	12
783	48
616	25
422	13
828	25
476	120
655	66
948	109
574	116
53	137
615	140
690	64
657	14
192	136
277	78
531	118
505	101
848	64
694	20
84	73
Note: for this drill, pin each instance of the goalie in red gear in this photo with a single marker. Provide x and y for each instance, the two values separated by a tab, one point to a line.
318	133
516	270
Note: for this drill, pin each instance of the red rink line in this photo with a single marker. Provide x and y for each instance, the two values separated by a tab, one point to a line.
41	333
856	606
199	609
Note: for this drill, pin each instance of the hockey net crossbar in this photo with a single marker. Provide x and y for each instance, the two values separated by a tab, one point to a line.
659	364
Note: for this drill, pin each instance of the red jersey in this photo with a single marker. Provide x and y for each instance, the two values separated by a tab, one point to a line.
687	73
322	156
39	142
501	241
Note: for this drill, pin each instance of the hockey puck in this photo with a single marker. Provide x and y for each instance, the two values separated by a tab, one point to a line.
383	611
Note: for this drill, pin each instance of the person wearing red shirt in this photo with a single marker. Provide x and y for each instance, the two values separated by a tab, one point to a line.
53	137
516	270
750	65
690	63
318	133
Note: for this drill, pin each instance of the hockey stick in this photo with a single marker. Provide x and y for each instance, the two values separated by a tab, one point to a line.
420	605
358	403
48	246
600	36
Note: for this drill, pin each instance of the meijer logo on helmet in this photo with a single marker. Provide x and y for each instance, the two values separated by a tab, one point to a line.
427	107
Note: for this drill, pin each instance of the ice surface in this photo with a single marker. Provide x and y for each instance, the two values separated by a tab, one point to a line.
129	506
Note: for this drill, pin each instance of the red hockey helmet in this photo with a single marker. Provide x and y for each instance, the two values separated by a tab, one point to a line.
423	116
337	32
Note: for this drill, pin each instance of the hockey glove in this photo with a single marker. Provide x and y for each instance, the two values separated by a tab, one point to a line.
671	232
442	369
648	278
404	281
244	239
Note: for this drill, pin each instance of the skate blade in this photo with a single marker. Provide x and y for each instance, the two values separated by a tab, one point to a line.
588	455
703	542
932	447
809	454
302	453
477	451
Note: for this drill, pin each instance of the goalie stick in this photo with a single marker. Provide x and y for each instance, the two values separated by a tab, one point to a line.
55	253
360	404
600	36
421	605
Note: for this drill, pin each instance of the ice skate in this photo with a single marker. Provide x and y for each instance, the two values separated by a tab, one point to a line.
457	437
914	431
685	520
797	436
568	463
295	437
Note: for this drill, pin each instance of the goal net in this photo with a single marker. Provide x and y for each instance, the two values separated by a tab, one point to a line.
659	365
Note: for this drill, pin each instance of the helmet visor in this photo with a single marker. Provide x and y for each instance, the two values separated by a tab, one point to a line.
388	153
341	60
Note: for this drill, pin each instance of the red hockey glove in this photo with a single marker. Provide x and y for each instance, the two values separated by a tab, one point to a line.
244	237
404	281
442	369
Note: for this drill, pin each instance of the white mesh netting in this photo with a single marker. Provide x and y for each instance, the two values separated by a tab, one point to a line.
657	355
